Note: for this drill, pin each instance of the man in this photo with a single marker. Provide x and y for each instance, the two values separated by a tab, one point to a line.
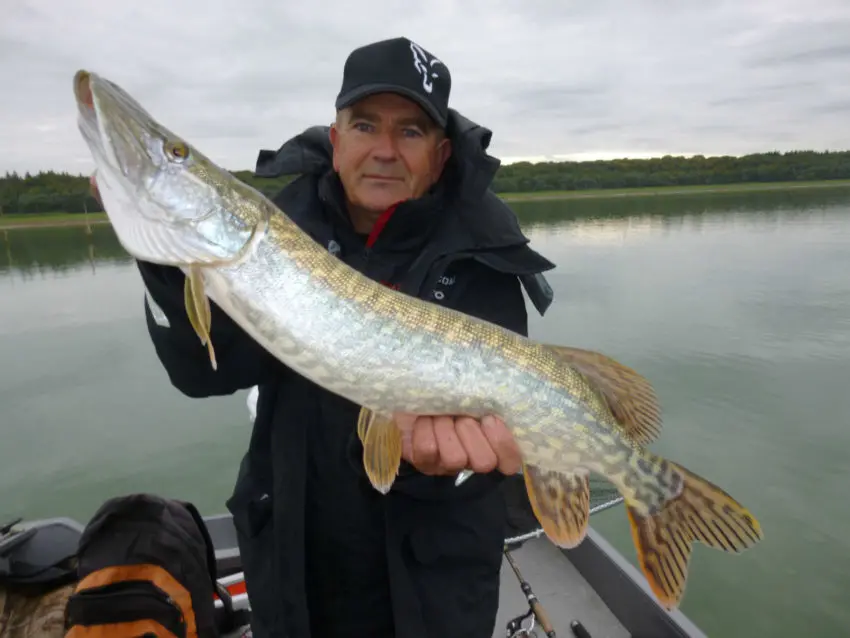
398	188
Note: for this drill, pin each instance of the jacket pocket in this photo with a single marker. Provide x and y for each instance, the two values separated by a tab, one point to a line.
252	507
454	564
251	503
466	533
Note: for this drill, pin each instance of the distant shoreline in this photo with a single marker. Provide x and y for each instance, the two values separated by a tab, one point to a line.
52	220
649	191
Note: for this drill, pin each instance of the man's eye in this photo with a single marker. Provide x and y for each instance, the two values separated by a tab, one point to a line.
412	132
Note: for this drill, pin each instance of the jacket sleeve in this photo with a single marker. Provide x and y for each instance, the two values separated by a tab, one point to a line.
242	362
497	297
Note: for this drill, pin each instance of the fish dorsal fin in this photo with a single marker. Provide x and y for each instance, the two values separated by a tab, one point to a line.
628	395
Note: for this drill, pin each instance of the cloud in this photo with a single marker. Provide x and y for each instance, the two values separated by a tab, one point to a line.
550	78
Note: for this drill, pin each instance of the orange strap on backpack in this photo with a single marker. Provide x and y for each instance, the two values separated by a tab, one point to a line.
103	581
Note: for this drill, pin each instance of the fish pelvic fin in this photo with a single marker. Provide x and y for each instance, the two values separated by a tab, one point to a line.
664	539
363	419
381	440
628	395
198	310
561	503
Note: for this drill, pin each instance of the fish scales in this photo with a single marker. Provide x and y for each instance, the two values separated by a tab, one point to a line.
376	348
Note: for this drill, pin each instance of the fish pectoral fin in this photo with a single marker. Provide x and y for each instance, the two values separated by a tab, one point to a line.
191	309
561	503
381	440
198	310
629	396
664	538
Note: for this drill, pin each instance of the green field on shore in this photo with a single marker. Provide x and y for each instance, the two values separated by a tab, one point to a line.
51	219
81	219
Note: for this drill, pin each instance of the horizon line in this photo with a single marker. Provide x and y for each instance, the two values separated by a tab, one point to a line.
580	156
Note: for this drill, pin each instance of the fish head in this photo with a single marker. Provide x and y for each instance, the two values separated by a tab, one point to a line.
168	203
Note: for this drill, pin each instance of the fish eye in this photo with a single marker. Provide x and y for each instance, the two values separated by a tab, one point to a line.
177	151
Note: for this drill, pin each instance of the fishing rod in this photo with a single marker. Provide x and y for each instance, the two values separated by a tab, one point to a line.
536	614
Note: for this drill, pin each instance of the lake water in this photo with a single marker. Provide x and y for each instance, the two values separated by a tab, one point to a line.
736	307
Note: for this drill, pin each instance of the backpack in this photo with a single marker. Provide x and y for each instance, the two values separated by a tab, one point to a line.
37	574
146	567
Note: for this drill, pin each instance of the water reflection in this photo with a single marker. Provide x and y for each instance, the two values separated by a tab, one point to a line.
675	211
32	252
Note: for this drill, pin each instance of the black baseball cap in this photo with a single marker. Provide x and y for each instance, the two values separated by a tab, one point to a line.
397	66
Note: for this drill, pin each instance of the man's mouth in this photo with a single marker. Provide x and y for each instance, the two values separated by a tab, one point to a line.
383	178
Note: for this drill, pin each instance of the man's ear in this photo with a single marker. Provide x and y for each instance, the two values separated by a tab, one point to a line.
444	151
333	136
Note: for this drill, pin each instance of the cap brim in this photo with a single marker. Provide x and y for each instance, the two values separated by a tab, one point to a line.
371	89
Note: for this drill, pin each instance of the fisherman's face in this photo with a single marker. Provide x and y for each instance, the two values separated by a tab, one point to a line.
386	149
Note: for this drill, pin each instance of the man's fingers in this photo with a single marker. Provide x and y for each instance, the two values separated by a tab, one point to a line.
404	422
480	454
425	450
452	457
503	444
445	445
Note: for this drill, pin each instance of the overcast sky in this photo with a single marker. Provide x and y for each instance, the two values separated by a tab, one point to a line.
555	78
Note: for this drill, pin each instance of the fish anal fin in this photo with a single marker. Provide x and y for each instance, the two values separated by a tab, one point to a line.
630	397
664	538
381	448
561	503
198	310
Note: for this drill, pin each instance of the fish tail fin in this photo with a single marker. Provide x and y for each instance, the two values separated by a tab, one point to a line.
664	538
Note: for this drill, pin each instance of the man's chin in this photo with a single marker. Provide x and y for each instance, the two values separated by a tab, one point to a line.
382	198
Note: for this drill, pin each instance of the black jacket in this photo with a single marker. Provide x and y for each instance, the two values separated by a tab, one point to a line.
310	526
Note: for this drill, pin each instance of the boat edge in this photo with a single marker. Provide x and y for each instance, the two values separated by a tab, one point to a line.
624	590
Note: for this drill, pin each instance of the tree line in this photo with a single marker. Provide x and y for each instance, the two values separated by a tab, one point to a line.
55	192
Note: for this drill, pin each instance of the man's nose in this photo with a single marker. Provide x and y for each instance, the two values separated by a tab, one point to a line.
385	148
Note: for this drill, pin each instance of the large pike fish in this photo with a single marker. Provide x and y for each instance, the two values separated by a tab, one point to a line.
571	411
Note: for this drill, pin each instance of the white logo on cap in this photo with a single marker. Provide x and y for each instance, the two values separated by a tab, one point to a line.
422	65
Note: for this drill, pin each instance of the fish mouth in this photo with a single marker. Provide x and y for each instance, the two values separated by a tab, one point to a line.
90	122
82	89
113	126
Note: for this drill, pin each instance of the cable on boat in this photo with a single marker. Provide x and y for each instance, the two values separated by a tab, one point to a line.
519	540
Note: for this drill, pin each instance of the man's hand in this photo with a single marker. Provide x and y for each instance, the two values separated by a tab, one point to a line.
445	445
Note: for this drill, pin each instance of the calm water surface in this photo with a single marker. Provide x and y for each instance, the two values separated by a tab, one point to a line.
737	307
